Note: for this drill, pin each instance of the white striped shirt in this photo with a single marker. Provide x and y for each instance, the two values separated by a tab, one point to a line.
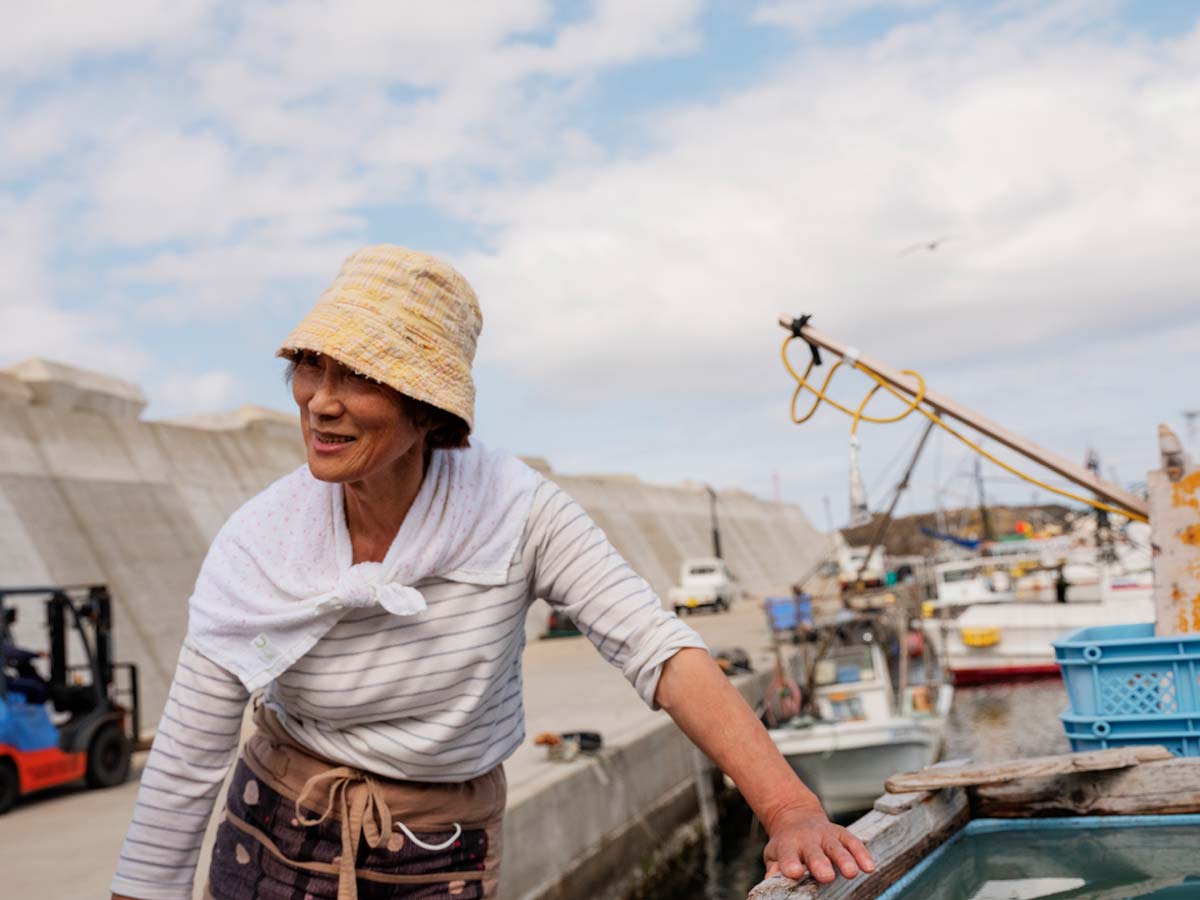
433	697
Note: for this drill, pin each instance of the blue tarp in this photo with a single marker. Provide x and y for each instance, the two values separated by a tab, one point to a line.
26	726
969	543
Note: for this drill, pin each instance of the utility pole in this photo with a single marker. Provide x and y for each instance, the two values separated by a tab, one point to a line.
828	514
716	531
1105	551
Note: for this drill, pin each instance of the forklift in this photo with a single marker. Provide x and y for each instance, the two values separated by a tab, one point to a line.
78	723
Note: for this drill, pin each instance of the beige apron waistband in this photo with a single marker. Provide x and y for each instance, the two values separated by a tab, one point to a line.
367	806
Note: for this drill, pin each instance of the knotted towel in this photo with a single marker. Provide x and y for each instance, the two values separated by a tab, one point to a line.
280	572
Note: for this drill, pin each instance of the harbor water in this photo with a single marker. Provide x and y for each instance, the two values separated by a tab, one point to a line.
987	723
1146	861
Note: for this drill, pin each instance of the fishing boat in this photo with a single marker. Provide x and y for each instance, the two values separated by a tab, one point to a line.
1011	637
1118	818
1102	825
996	613
855	725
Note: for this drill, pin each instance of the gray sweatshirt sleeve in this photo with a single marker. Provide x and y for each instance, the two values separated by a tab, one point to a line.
576	570
193	750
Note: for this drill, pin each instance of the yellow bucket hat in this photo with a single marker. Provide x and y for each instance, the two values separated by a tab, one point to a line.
403	318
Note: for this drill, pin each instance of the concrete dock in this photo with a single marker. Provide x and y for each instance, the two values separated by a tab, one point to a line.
571	830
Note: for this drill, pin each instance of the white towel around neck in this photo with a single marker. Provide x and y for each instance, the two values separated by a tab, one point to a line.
280	574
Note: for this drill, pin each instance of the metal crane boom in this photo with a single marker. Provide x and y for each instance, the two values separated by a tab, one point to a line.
947	407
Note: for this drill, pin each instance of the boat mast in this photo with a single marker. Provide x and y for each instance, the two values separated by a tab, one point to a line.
985	517
882	527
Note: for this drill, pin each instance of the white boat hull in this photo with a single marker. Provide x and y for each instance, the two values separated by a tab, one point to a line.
1018	635
846	763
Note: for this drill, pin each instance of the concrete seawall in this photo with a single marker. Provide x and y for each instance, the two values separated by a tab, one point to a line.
601	824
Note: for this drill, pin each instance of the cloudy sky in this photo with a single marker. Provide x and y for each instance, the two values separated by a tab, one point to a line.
637	190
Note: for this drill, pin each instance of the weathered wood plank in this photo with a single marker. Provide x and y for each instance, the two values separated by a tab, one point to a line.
894	804
1165	787
896	841
934	778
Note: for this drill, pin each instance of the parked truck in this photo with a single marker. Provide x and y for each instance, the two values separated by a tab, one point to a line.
704	583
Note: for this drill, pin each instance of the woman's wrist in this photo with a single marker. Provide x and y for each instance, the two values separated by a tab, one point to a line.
804	805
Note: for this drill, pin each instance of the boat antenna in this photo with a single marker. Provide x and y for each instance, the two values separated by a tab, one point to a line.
985	516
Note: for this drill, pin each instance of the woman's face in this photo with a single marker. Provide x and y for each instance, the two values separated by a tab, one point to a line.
354	428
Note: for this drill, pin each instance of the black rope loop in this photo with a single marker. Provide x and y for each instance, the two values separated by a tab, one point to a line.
797	327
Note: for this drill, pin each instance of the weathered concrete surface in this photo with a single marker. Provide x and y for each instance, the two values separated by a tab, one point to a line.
568	824
89	496
90	493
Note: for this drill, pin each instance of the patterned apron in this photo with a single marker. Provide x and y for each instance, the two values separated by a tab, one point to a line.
299	827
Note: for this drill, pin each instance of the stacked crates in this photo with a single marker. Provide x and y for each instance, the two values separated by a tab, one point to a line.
1128	687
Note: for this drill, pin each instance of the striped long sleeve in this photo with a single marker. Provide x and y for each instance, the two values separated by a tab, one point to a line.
434	697
193	750
577	570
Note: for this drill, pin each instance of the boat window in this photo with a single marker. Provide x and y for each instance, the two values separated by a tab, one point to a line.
846	665
847	708
952	575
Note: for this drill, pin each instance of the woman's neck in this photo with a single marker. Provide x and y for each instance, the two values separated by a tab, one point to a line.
376	506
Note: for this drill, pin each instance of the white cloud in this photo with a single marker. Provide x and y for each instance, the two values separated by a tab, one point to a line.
1064	172
181	395
805	15
217	282
233	170
31	324
40	35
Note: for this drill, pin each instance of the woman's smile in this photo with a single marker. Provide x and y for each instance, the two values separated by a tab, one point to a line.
354	428
328	442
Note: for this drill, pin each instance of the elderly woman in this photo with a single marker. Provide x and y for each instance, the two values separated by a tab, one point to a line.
377	596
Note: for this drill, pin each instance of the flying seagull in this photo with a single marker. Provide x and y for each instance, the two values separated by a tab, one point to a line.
925	245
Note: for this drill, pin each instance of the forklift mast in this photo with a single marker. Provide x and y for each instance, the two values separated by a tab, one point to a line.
101	612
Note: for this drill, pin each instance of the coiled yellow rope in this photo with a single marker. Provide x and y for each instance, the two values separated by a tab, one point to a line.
911	405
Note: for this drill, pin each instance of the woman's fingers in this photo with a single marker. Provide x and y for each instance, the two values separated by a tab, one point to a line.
818	863
861	854
783	854
793	868
824	853
840	856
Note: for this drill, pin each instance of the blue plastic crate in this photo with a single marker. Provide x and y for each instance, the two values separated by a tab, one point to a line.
787	613
782	613
1125	670
1178	733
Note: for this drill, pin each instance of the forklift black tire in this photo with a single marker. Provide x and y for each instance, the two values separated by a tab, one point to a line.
108	756
10	785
